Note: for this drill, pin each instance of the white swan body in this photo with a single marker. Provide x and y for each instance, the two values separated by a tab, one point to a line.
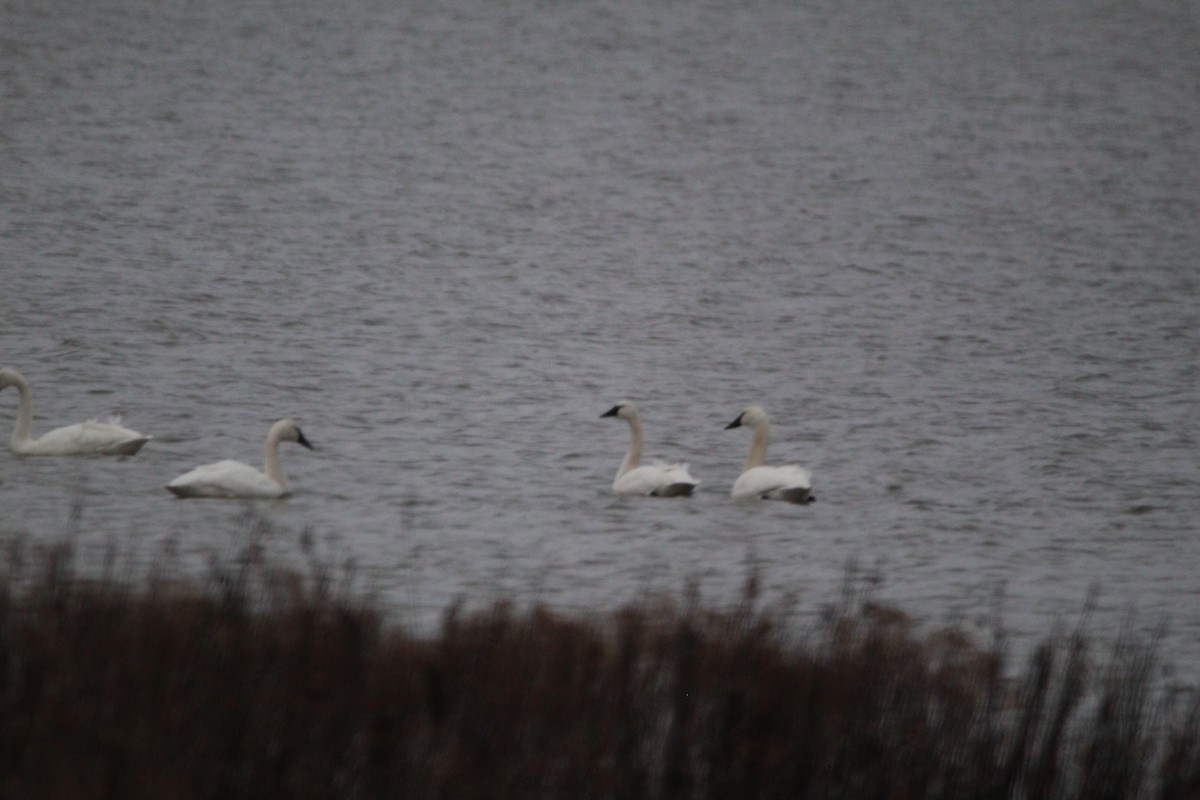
790	482
87	438
235	479
654	480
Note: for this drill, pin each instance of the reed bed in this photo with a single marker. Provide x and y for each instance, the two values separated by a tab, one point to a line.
261	683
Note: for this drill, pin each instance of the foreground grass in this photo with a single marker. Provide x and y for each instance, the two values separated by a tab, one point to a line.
265	685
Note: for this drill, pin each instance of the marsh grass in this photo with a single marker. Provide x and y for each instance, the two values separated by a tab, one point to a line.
262	683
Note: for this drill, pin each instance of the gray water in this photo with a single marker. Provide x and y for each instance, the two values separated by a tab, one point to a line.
951	248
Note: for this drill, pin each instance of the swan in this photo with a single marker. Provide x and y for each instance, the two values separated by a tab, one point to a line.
790	482
235	479
86	438
655	480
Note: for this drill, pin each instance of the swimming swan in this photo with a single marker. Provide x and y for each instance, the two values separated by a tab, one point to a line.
235	479
655	480
86	438
790	483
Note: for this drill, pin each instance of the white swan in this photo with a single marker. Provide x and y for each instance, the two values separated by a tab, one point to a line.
235	479
790	482
655	480
86	438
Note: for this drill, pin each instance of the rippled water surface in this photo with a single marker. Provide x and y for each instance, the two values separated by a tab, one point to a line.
952	249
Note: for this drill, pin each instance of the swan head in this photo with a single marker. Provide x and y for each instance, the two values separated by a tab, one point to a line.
752	416
625	409
289	431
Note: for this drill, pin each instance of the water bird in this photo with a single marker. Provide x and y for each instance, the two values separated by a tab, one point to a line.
86	438
789	482
654	480
235	479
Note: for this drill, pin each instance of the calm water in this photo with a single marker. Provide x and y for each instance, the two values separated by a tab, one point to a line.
952	249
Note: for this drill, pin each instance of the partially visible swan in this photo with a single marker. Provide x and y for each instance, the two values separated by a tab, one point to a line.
86	438
235	479
790	482
655	480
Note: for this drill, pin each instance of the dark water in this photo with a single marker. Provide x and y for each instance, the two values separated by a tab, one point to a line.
952	249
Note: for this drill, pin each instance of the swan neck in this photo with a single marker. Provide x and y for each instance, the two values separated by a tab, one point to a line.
271	458
633	456
758	448
23	429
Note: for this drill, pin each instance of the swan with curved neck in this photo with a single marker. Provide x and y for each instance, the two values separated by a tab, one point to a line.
235	479
654	480
86	438
790	482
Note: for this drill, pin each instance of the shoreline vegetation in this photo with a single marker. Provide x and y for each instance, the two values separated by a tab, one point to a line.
262	682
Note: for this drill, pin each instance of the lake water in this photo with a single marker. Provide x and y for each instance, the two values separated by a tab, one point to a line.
953	249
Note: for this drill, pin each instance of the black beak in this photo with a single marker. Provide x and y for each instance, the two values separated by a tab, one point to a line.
300	438
737	423
612	412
